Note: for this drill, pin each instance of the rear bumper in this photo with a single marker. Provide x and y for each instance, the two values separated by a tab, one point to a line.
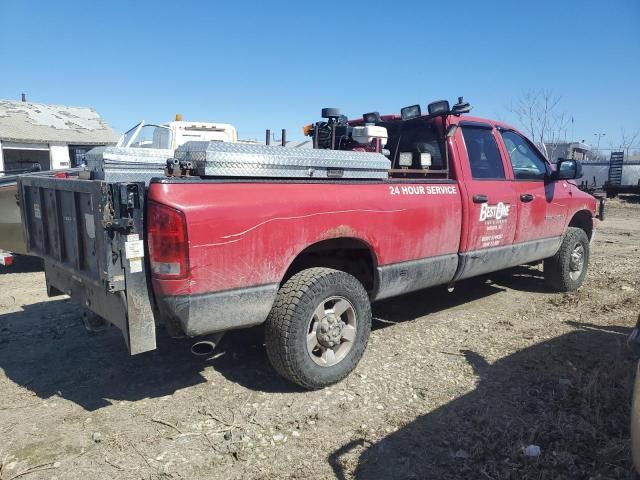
207	313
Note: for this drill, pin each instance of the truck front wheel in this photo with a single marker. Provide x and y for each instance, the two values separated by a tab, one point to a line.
319	327
565	271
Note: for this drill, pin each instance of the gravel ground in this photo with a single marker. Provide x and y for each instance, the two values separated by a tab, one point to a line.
453	385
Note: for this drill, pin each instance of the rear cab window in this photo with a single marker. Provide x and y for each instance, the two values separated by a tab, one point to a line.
409	140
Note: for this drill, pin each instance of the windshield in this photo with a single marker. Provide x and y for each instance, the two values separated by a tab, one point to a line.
152	136
147	136
126	138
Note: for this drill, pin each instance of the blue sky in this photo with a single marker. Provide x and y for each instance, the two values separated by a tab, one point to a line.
275	64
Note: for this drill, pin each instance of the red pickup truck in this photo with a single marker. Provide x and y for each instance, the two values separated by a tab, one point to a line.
462	197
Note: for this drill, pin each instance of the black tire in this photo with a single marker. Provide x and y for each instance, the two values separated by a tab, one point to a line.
560	270
293	313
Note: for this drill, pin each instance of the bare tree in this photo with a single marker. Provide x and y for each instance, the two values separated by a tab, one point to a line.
627	141
539	114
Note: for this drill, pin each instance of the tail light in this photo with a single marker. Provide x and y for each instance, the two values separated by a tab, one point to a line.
168	245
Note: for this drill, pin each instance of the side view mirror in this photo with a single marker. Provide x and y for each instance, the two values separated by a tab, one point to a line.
568	169
461	107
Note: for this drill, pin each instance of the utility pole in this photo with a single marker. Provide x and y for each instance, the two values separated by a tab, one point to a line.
573	136
599	135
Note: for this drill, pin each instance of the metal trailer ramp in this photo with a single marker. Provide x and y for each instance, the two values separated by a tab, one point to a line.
624	176
90	234
615	168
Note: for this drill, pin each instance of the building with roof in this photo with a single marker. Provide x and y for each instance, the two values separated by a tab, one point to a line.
574	150
51	136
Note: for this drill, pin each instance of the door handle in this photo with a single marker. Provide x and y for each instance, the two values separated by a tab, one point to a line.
480	198
526	197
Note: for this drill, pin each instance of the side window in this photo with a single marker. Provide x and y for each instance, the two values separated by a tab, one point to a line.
483	153
527	164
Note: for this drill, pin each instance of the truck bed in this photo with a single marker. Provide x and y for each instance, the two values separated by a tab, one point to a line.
245	235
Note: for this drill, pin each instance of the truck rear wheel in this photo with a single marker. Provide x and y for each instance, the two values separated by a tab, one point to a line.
318	328
565	271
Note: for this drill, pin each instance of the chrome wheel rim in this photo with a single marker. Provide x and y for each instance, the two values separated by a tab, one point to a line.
576	262
331	331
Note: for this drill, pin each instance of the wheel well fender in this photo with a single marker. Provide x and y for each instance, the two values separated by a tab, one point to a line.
351	255
583	219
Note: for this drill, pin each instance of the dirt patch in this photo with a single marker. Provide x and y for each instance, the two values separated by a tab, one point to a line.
452	386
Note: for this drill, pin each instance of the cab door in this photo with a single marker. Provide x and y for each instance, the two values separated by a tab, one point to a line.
490	201
542	203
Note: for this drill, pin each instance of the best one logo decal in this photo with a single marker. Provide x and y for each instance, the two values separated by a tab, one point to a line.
498	211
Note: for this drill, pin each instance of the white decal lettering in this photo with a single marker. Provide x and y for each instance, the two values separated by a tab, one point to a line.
498	211
490	240
423	190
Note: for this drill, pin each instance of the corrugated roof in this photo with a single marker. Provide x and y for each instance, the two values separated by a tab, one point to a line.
42	123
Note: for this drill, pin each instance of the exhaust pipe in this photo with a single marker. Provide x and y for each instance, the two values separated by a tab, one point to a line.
205	346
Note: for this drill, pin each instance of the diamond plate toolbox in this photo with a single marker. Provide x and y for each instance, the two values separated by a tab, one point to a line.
117	164
214	159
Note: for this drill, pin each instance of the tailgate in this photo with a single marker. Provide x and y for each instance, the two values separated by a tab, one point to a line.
91	235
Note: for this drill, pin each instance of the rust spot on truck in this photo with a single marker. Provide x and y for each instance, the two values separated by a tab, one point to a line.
338	232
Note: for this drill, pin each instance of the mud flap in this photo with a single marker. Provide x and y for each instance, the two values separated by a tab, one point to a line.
127	225
141	326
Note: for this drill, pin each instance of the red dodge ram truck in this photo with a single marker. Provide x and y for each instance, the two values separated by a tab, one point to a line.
462	197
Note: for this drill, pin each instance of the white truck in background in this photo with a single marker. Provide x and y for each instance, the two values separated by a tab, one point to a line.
171	135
